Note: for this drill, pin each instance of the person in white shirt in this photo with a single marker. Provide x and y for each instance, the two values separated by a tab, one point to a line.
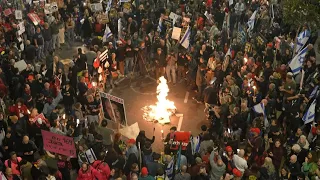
240	162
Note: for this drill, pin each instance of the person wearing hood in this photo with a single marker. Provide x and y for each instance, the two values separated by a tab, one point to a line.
25	167
142	139
218	168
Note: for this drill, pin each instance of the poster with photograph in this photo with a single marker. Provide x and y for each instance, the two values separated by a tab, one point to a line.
18	14
96	7
113	108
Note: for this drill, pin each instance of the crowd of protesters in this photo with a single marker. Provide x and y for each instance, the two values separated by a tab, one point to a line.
228	69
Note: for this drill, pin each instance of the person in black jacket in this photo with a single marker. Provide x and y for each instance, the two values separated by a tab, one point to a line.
294	167
30	53
81	60
160	61
142	139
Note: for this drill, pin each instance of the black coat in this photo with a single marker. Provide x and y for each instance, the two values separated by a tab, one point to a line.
30	52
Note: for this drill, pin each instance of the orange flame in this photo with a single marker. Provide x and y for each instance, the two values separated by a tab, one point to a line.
164	108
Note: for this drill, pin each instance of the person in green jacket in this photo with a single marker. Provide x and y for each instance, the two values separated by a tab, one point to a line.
144	175
309	167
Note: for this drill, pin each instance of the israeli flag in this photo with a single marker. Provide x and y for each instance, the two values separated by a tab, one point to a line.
314	92
302	39
260	109
159	28
107	33
296	63
170	169
185	40
310	114
251	22
90	155
108	6
195	144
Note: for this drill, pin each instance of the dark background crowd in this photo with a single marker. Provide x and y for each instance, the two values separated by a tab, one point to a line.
229	68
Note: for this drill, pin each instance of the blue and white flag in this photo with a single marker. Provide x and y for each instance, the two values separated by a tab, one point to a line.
296	63
251	22
314	92
90	155
302	39
309	115
195	144
107	33
185	40
108	6
260	109
159	28
170	169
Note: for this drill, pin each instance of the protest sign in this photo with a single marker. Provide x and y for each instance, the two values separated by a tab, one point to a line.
261	40
176	32
7	12
230	2
34	18
174	17
18	14
22	29
58	143
21	65
131	132
180	137
113	108
96	7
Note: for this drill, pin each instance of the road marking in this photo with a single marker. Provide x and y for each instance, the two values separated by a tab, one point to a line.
119	81
186	97
180	121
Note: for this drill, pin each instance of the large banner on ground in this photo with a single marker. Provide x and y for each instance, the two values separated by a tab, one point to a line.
58	143
180	137
113	108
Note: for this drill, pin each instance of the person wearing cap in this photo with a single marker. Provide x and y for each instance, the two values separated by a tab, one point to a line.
227	158
255	142
145	175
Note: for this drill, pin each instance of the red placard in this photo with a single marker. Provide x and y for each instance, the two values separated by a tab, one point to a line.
180	137
58	143
34	18
7	12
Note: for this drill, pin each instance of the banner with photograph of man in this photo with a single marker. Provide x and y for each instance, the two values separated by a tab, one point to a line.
113	108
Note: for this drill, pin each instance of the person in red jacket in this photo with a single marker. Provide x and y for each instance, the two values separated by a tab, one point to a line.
102	166
86	172
19	109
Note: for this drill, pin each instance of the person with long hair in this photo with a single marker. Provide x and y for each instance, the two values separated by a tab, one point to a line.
267	170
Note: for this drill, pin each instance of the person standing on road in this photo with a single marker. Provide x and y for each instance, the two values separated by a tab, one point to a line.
171	68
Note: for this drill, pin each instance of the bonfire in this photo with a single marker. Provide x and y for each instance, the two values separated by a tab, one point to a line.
163	109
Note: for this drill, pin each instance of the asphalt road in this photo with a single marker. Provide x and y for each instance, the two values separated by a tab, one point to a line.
140	92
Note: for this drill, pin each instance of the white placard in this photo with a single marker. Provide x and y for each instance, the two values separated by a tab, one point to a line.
96	7
176	32
131	132
22	29
21	65
18	14
230	2
47	8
